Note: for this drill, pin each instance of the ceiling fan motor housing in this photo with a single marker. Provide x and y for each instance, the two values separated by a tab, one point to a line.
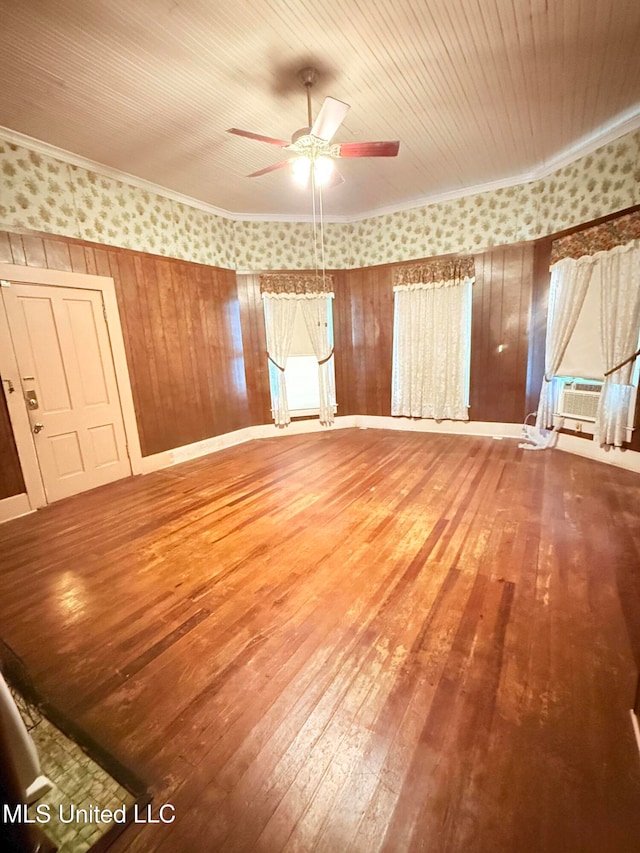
303	131
308	76
313	143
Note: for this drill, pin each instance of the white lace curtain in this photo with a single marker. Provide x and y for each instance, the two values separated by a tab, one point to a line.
431	346
315	311
619	270
279	316
567	290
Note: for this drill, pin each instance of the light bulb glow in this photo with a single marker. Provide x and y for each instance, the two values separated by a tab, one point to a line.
301	168
322	170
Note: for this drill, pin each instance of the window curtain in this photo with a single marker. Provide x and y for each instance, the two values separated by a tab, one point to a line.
279	316
619	269
282	293
315	311
431	340
569	282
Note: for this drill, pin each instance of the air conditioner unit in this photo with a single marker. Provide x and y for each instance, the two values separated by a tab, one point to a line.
580	400
578	406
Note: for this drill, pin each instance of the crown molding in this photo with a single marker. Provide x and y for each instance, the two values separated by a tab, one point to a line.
627	122
71	159
623	124
16	138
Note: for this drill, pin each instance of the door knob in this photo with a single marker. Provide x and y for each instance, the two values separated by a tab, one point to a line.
38	427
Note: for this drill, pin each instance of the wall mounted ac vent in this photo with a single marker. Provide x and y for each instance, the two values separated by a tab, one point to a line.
580	400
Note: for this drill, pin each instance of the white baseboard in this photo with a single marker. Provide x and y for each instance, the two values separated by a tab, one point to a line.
495	430
628	459
621	458
157	461
14	507
219	442
636	727
210	445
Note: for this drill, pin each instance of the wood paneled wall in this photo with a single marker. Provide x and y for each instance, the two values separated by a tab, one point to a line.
196	348
182	332
11	481
363	335
363	322
254	337
195	338
499	334
538	324
363	330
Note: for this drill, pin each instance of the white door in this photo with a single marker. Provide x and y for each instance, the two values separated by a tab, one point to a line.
68	381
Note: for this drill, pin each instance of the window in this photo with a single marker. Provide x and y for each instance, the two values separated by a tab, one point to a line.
301	370
303	387
431	350
580	397
583	355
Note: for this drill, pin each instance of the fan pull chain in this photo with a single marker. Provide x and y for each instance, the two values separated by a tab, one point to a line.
315	229
324	271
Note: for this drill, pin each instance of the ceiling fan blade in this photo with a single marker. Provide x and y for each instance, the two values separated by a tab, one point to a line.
281	143
331	115
369	149
268	169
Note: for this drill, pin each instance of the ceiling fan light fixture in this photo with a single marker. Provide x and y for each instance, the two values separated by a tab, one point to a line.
312	144
301	169
322	170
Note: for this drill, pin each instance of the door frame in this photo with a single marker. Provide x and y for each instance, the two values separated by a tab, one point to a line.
9	369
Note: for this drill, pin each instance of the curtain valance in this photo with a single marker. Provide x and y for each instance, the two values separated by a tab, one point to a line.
599	238
439	272
296	284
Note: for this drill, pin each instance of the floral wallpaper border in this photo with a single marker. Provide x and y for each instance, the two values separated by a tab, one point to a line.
599	238
41	193
435	271
296	283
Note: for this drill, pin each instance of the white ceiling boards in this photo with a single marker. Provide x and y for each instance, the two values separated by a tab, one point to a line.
477	92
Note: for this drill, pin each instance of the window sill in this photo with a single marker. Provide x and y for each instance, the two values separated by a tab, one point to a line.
307	414
304	413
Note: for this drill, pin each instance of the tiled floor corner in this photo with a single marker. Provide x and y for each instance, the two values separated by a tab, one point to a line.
77	780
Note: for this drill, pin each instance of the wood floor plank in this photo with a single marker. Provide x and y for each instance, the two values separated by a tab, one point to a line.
353	640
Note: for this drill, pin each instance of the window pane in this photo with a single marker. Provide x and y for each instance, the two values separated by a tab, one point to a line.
583	355
301	343
302	382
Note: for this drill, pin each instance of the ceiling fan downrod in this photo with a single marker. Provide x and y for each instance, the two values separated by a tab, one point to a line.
308	77
313	143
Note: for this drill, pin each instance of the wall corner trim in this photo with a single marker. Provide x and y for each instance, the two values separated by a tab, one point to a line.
15	507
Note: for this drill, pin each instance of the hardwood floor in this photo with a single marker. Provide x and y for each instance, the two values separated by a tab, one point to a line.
354	640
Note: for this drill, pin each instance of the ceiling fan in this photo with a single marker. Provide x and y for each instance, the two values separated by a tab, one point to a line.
315	154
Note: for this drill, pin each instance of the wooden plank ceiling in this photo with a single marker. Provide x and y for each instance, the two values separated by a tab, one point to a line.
475	91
